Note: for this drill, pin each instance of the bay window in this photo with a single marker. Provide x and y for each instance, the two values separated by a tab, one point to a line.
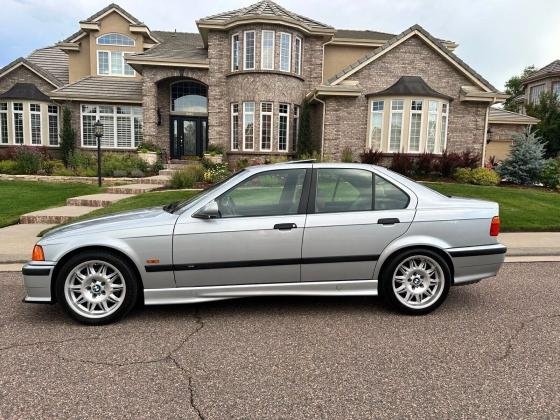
285	51
415	130
266	126
432	126
297	56
3	122
535	93
395	132
35	123
122	125
17	108
248	125
443	128
234	126
376	127
267	50
283	129
249	50
53	125
235	47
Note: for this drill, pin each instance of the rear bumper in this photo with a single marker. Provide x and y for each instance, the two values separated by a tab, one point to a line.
475	263
37	282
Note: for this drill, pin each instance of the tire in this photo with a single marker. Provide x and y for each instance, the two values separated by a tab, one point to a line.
96	287
416	281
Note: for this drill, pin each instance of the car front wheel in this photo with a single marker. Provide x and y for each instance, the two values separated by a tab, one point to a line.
416	281
96	287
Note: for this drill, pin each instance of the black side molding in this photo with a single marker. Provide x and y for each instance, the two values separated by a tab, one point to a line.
36	271
478	252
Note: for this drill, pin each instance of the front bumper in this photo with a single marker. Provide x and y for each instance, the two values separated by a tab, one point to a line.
37	281
475	263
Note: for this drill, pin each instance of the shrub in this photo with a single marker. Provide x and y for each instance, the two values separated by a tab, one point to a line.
84	160
111	162
304	141
550	175
8	167
186	178
156	167
28	161
119	173
525	162
215	149
242	164
448	162
484	176
47	167
347	155
402	163
217	173
469	159
137	173
60	170
462	175
148	147
371	157
425	164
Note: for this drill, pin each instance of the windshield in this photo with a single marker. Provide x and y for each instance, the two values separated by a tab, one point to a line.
173	207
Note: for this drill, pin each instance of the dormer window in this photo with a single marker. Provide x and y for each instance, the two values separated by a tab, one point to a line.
111	63
119	40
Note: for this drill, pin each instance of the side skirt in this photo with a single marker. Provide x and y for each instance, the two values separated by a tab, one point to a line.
205	294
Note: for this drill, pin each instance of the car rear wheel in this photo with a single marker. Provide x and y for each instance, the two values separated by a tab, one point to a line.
416	281
96	287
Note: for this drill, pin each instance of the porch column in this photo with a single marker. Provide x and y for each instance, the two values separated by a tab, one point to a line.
149	105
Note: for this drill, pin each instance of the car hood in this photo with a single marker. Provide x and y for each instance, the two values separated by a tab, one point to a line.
118	221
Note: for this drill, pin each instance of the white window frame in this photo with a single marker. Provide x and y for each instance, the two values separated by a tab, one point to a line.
245	50
289	55
437	116
266	113
245	113
272	49
7	114
49	115
114	114
411	113
382	113
443	128
298	55
116	45
392	112
39	113
235	48
110	55
287	115
232	131
14	112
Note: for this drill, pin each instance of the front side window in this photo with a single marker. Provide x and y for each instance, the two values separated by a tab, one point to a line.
115	39
235	47
3	123
35	123
248	125
17	108
415	131
432	126
122	125
267	50
343	190
395	136
112	63
297	57
285	51
249	51
376	128
266	126
271	193
283	129
234	126
53	125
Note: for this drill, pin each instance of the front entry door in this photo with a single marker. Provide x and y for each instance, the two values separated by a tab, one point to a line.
188	136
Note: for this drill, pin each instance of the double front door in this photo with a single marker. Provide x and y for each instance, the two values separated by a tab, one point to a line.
188	136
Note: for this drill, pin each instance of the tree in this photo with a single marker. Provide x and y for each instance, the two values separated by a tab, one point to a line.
67	136
305	142
514	88
547	110
525	162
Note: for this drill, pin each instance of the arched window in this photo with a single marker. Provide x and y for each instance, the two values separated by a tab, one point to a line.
115	39
189	97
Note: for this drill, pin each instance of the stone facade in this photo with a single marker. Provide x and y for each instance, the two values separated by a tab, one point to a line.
500	137
23	75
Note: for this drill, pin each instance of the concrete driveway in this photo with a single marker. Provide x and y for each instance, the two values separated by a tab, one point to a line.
493	350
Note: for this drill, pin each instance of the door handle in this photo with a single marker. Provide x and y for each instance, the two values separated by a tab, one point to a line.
285	226
388	221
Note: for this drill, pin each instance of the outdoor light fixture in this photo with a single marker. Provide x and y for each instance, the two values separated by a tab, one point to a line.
98	131
158	117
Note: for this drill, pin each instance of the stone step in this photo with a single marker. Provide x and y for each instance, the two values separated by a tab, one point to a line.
97	200
56	215
157	179
180	165
134	188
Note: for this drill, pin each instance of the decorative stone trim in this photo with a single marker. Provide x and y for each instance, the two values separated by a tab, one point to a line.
259	71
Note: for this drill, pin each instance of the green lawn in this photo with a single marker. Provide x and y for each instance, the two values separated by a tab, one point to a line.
20	197
521	209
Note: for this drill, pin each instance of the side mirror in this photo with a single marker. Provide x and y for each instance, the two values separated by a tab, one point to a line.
209	211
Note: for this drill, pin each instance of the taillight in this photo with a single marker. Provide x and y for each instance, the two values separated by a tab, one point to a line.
495	226
37	254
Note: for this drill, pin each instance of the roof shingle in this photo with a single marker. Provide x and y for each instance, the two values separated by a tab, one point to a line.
25	91
102	88
552	68
410	86
175	46
52	60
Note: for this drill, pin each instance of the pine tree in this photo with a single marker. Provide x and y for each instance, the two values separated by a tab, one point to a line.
67	136
525	162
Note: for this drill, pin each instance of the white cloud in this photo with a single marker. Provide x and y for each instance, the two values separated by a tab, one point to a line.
498	38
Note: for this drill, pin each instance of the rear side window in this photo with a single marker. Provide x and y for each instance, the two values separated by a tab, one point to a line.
348	190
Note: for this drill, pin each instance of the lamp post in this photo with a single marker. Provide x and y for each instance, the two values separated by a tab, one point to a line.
98	131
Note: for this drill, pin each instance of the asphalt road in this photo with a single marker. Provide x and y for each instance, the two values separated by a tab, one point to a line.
492	350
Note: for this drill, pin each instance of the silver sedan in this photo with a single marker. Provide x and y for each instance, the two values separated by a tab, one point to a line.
298	228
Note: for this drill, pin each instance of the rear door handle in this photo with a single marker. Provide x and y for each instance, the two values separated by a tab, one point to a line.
285	226
388	221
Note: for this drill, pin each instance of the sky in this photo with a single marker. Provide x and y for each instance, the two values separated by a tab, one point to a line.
498	38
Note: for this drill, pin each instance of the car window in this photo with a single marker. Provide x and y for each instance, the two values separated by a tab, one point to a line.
343	190
388	196
269	193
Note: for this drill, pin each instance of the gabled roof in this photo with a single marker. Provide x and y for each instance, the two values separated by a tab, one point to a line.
39	71
415	30
410	86
353	36
53	60
501	116
25	91
110	8
548	70
265	10
95	88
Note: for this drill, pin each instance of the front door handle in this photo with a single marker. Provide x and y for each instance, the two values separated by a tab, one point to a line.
388	221
285	226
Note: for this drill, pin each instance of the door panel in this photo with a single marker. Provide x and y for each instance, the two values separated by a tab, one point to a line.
190	137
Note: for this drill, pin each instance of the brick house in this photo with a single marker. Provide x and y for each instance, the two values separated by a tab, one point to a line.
240	83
